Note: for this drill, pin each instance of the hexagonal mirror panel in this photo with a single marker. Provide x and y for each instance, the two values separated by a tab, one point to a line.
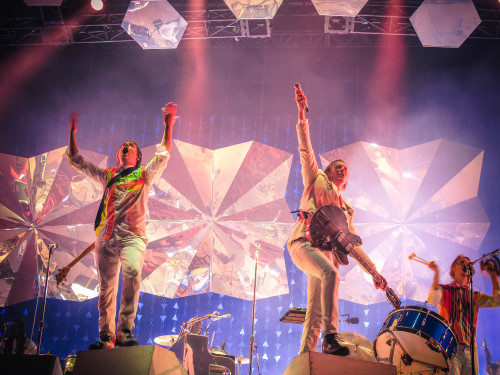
261	9
338	7
154	24
445	23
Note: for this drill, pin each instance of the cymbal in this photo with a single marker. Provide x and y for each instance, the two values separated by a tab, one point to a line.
359	346
242	361
166	340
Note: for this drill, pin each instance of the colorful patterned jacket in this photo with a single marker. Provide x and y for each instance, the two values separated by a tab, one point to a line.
125	204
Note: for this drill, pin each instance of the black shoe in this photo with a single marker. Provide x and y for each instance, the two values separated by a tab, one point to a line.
331	346
96	346
107	340
126	338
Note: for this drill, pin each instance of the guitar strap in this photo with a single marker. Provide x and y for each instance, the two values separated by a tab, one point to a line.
123	173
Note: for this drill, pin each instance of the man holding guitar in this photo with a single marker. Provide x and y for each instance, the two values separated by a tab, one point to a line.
120	227
321	188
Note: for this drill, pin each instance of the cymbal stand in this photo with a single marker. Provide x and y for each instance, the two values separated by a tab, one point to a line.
42	319
258	358
239	366
252	337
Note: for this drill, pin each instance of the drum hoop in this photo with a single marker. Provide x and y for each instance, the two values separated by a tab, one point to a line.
427	311
412	331
442	320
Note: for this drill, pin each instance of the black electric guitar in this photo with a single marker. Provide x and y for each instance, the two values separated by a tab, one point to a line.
328	229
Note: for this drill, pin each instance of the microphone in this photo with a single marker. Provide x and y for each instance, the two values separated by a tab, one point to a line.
352	320
217	317
304	104
53	246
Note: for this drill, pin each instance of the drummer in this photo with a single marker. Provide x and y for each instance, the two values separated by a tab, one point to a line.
453	304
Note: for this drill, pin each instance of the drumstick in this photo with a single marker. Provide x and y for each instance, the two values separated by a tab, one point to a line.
414	257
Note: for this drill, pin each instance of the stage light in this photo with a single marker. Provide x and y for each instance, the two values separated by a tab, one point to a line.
338	24
338	7
447	23
97	4
254	9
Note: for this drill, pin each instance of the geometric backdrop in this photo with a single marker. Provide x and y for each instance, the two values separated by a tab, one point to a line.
208	214
421	199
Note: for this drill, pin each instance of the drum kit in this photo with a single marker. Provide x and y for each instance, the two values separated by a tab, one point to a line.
414	339
194	326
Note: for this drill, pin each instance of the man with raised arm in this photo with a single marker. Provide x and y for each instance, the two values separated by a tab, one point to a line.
121	228
321	188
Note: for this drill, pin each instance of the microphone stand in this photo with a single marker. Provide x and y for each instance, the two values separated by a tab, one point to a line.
252	337
470	267
42	319
258	357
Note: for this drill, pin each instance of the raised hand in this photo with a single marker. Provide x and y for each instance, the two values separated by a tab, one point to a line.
379	281
301	100
169	113
61	274
73	121
491	265
73	127
433	266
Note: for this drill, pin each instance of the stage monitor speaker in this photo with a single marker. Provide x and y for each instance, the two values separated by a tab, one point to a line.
322	364
132	360
29	364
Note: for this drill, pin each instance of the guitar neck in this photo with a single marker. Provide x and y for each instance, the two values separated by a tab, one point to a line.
368	267
391	296
82	255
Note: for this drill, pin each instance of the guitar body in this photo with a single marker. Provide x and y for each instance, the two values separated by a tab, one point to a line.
323	229
328	229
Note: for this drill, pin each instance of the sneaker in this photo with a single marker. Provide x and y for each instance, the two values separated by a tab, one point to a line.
331	346
126	338
107	340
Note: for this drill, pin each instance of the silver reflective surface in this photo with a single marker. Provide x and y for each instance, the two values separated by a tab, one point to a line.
45	201
154	24
208	214
339	7
445	23
421	199
257	9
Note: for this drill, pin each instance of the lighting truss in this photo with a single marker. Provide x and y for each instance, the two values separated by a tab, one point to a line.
372	27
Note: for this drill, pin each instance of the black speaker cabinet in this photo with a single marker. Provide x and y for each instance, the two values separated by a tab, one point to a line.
132	360
29	364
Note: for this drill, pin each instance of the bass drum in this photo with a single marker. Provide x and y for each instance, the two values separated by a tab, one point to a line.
415	339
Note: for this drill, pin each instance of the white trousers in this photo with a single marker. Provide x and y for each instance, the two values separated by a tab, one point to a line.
321	268
461	362
109	255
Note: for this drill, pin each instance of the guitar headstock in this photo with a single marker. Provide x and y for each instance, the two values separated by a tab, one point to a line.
61	275
393	298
